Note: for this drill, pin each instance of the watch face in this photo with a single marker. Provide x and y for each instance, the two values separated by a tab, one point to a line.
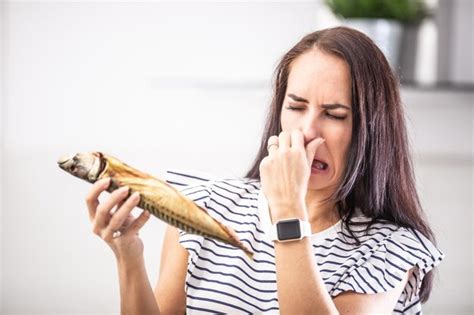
288	230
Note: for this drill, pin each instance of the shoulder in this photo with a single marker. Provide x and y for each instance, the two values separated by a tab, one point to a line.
182	178
231	201
383	257
198	185
405	245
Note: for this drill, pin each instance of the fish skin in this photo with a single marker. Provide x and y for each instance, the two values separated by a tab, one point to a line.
158	197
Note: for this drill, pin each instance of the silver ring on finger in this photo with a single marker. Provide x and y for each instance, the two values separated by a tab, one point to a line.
116	234
270	145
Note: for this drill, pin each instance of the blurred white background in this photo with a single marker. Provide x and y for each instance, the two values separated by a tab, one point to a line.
172	85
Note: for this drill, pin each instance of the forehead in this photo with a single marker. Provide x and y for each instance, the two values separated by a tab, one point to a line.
318	74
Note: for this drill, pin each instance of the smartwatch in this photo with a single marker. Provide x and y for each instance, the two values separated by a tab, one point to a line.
290	230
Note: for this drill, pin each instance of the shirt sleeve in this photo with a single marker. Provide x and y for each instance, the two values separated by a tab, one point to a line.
384	266
196	186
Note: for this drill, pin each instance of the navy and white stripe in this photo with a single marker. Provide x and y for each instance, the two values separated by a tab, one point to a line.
221	279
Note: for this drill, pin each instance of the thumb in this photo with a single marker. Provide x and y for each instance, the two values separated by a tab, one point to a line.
311	148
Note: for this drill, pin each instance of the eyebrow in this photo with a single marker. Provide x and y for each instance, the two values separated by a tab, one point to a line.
326	106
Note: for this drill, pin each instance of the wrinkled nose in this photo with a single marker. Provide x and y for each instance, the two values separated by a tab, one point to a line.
311	130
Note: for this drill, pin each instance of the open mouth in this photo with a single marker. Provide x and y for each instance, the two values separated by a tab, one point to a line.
319	165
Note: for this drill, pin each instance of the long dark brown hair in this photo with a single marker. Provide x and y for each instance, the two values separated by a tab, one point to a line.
379	177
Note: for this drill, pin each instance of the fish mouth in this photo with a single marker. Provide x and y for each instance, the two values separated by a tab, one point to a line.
66	162
64	159
87	166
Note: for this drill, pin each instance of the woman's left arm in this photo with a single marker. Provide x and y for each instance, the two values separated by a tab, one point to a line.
301	289
284	175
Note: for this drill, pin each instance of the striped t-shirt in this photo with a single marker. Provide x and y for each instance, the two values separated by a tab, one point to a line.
222	279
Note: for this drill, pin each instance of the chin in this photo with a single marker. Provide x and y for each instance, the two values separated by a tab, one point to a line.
317	182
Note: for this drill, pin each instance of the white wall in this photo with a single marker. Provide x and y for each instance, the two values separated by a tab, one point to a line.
462	63
157	85
440	125
163	85
2	119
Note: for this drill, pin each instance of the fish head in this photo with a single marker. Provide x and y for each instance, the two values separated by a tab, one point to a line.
87	165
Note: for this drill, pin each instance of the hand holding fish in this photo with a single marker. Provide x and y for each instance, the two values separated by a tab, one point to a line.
154	195
106	223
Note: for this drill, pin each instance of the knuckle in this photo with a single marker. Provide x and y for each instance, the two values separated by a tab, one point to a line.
115	221
90	199
297	134
107	237
100	209
96	230
96	185
106	233
142	220
141	223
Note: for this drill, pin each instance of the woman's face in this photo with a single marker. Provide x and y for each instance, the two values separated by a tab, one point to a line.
318	102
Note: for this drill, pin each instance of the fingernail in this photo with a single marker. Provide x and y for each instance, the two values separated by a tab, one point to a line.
123	189
135	196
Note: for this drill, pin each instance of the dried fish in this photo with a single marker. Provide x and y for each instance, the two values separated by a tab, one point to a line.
158	197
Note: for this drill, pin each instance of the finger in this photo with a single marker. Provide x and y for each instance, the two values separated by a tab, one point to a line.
297	139
122	213
138	223
272	144
284	140
311	148
92	198
264	165
130	218
120	204
103	210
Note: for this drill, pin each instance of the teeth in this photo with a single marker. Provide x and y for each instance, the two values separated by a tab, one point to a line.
320	166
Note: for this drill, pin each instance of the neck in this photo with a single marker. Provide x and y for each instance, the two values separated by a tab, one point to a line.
321	215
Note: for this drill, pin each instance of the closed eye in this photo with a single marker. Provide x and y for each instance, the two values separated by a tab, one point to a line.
295	108
335	117
327	114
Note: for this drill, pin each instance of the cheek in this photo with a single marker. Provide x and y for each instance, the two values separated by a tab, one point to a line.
345	144
340	141
286	122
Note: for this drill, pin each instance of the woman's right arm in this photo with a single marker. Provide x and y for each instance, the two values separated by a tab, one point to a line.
169	290
136	294
135	291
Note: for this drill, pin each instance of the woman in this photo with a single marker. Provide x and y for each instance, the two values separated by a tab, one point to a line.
329	207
